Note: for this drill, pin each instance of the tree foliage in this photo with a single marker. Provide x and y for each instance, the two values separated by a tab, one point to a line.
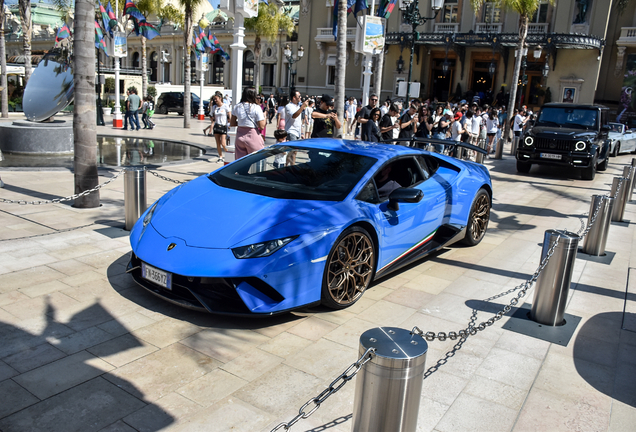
269	22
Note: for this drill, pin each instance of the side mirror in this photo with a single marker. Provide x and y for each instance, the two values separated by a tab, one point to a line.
405	195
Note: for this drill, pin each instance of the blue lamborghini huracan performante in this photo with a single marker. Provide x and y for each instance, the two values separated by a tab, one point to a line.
303	223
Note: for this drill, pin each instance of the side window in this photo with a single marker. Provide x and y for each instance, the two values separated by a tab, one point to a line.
404	172
428	164
369	193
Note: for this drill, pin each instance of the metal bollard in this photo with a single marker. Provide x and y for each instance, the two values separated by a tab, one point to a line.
553	283
389	387
596	239
134	195
619	203
628	172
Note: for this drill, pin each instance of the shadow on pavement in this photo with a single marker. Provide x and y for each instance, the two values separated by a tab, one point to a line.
63	386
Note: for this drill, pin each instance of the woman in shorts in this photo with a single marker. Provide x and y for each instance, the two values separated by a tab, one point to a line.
220	115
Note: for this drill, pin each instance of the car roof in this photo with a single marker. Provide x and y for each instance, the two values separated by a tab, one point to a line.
379	151
575	106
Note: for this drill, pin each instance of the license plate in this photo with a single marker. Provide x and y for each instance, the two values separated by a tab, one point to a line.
157	276
550	156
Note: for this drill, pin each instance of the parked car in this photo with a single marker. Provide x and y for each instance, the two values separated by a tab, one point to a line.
173	102
303	224
622	140
566	134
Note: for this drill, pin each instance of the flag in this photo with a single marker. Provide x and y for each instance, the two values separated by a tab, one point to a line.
218	48
360	5
99	38
112	23
385	8
131	10
204	39
350	5
62	34
105	19
145	29
198	47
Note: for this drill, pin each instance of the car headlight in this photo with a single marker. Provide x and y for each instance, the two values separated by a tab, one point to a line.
259	250
529	141
150	213
580	145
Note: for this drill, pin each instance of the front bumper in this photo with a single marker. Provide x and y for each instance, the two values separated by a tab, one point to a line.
572	159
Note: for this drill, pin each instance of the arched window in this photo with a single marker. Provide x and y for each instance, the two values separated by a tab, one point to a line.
136	60
248	68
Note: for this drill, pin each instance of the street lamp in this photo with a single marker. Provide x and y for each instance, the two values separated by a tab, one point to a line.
546	68
411	15
290	61
400	65
492	67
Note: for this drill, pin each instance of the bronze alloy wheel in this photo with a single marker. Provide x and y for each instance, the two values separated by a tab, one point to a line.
349	268
478	219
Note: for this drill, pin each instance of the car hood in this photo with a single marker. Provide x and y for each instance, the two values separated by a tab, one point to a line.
562	133
206	215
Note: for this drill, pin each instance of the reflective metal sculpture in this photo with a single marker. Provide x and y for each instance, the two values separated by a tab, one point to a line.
50	88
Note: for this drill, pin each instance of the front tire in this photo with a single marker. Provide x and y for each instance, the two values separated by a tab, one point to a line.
590	172
603	165
523	167
162	110
478	219
617	149
349	268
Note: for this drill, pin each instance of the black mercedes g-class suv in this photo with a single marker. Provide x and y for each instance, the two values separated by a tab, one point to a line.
566	134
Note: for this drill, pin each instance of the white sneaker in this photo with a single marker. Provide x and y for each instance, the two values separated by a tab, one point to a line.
220	159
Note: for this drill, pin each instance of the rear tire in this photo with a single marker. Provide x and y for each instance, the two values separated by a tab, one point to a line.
162	110
349	268
478	219
617	149
523	167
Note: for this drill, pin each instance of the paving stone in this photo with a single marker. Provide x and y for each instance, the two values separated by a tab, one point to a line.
281	387
285	345
324	359
6	371
62	374
252	364
87	407
430	413
118	426
229	414
32	358
122	350
223	344
386	314
14	398
166	332
82	339
443	387
469	411
312	328
155	375
126	323
211	387
163	414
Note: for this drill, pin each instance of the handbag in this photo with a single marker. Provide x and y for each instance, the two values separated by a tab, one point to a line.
219	129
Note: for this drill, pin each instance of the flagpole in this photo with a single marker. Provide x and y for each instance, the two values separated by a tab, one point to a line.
117	120
368	62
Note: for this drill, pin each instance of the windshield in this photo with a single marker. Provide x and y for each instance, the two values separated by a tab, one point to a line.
291	172
579	118
617	127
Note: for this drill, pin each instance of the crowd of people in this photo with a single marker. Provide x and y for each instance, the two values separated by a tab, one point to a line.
303	117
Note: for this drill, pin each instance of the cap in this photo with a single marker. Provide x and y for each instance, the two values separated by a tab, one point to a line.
327	99
458	115
463	101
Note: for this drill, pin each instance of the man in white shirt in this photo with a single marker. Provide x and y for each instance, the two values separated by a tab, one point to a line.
293	119
517	128
351	109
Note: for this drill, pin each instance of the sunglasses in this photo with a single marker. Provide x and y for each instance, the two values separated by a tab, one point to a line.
374	100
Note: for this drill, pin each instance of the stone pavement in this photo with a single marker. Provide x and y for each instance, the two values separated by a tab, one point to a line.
85	349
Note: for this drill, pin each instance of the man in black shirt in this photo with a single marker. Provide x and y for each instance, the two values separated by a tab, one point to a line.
326	123
365	112
389	124
407	122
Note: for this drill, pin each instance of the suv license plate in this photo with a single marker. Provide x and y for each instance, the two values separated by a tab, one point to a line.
550	156
157	276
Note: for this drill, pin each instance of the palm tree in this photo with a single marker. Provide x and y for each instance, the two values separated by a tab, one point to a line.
25	22
525	9
267	24
189	7
84	120
4	94
341	58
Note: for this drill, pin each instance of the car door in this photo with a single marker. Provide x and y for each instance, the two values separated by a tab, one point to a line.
405	232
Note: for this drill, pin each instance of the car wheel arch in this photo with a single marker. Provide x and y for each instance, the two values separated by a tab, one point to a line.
368	227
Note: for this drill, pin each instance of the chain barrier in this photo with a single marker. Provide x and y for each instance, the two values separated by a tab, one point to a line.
156	174
336	385
86	192
472	329
68	198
